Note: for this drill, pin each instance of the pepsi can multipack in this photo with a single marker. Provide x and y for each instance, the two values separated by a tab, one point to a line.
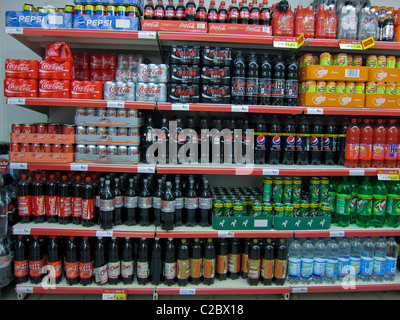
215	56
183	93
215	94
215	75
184	73
188	55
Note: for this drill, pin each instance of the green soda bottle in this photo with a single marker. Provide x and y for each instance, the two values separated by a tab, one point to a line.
379	204
365	195
332	187
343	198
353	202
393	205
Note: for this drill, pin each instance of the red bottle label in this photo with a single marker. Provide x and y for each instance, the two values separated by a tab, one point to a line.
54	269
88	207
65	206
52	206
378	151
85	270
24	205
72	270
21	268
35	268
38	206
352	151
365	151
76	207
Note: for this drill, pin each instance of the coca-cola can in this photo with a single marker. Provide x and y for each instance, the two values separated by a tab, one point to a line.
153	72
68	129
80	112
111	112
41	128
122	150
15	147
132	132
56	148
47	147
91	130
80	148
126	75
132	113
16	128
36	147
80	129
52	128
91	149
133	150
122	131
112	150
28	128
185	74
91	112
101	112
24	147
112	131
121	113
68	148
101	131
102	150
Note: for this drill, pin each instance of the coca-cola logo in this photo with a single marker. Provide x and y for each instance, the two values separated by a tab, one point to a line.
89	88
46	66
184	92
185	25
158	71
216	91
218	27
11	66
122	89
150	24
19	88
254	29
218	54
149	90
52	86
216	72
239	84
186	73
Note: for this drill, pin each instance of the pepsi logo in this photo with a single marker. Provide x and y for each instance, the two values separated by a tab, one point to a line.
276	140
260	140
299	141
327	141
290	140
314	141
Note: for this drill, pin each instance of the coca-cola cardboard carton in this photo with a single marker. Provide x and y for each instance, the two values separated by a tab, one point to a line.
183	93
26	88
174	25
49	69
185	74
26	69
86	90
230	28
153	73
215	94
54	89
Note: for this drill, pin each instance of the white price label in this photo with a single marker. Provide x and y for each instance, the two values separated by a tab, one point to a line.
356	172
24	289
104	233
19	165
108	296
115	104
22	231
383	176
14	30
147	34
79	167
337	234
180	106
146	169
299	289
226	234
185	291
260	223
239	108
19	101
315	111
346	46
271	172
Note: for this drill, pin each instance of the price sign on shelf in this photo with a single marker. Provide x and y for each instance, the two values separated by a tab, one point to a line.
357	44
289	43
116	104
19	101
114	294
388	175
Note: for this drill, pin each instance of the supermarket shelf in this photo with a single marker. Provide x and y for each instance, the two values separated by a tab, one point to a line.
228	108
36	39
351	111
79	103
209	232
56	229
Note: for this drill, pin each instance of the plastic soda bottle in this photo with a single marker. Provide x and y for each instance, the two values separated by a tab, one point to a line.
294	262
332	259
379	260
319	261
393	205
391	144
343	199
352	144
391	258
379	204
378	146
365	195
366	140
367	259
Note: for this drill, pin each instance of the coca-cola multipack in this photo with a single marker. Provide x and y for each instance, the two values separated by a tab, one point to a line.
152	79
21	78
95	67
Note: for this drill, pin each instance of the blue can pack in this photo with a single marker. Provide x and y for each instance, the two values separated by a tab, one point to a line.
46	20
96	22
138	3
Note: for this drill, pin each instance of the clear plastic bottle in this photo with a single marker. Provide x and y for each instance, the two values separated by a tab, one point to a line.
379	259
344	257
367	260
391	258
294	262
307	261
347	22
319	261
332	259
355	256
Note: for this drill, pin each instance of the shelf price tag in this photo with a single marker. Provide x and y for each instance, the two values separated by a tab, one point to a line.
24	289
356	172
357	44
180	106
18	165
299	289
388	175
336	234
239	108
186	291
79	167
147	34
104	233
19	101
226	234
289	43
114	294
22	231
141	169
319	111
270	172
116	104
14	30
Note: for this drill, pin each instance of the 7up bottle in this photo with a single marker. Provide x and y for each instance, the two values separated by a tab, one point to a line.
379	204
393	205
343	198
364	203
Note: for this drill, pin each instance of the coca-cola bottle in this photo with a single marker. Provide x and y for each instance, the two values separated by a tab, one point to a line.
98	193
191	204
180	12
252	80
212	16
76	201
71	262
265	17
36	262
222	13
159	13
88	203
24	199
157	203
254	13
114	263
205	205
190	11
130	204
118	202
142	267
65	201
54	260
244	13
38	200
265	81
100	264
156	263
51	199
145	204
148	10
169	263
106	207
170	10
238	85
21	266
201	13
278	82
127	262
234	13
85	262
168	208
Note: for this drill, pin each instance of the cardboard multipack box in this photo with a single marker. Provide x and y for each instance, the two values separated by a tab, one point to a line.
383	75
333	73
302	223
317	99
242	223
107	139
388	101
243	29
115	158
108	121
174	26
42	138
41	157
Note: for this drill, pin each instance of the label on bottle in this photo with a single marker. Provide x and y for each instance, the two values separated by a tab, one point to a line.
208	268
343	204
379	205
76	207
355	264
169	270
294	266
267	268
85	270
24	205
119	201
343	266
72	270
88	209
393	204
306	267
100	274
264	87
364	204
168	206
143	270
291	89
238	86
157	202
379	266
244	14
331	268
352	151
170	13
391	266
319	267
130	202
280	268
145	202
52	206
21	268
114	269
190	10
244	262
38	206
234	263
196	268
222	264
253	268
205	203
126	269
191	203
378	151
201	14
178	203
391	151
183	269
365	151
65	206
107	205
275	141
366	266
36	268
55	269
233	14
278	88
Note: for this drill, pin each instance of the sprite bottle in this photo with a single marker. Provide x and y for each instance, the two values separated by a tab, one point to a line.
343	198
379	204
393	205
365	195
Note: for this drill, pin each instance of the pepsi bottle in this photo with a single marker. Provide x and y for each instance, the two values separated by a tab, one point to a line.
302	142
316	142
274	144
260	140
289	142
330	142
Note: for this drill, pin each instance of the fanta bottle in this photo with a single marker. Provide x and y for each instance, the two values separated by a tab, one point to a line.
366	140
392	134
352	144
378	146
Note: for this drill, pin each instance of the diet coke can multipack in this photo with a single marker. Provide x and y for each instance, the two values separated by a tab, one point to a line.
119	90
128	67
